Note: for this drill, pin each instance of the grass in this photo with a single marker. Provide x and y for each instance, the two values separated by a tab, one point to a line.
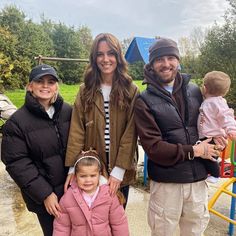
16	96
68	92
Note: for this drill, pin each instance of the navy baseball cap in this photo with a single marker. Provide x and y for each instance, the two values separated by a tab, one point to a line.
39	71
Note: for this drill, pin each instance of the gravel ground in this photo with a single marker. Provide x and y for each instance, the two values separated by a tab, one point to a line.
13	210
217	226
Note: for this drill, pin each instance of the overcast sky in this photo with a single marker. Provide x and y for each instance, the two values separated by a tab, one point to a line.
128	18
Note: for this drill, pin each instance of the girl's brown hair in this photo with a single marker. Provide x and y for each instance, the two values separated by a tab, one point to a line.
90	158
121	81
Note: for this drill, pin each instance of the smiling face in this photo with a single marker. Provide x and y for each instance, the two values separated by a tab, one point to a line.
87	178
44	89
106	60
166	68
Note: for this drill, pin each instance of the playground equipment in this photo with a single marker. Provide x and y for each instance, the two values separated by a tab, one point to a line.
228	170
41	58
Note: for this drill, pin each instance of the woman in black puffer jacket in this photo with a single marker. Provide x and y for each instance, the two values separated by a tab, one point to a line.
34	143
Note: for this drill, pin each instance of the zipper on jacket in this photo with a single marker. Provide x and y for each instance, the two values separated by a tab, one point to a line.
184	125
187	138
170	100
58	137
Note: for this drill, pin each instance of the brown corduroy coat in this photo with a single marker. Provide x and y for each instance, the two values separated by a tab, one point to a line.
87	131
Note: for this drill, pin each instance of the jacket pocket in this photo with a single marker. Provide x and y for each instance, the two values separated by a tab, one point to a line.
155	213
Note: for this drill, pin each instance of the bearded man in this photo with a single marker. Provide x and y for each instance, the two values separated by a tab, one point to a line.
166	116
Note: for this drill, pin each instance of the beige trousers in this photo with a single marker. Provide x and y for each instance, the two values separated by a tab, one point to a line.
172	205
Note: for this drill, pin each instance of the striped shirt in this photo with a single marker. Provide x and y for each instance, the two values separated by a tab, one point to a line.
116	172
106	96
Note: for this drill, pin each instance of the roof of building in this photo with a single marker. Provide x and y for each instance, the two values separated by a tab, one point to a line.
138	49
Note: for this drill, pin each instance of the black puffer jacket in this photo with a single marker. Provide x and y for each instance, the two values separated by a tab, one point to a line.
33	150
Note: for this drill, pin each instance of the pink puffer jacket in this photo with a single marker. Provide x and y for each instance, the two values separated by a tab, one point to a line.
106	216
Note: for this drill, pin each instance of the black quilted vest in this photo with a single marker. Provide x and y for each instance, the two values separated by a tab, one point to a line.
175	130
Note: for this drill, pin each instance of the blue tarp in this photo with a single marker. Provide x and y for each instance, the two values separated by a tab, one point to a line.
138	49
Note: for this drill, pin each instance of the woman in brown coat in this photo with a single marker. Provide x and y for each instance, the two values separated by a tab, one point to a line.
103	115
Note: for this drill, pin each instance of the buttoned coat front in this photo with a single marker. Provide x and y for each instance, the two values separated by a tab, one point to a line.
106	216
87	131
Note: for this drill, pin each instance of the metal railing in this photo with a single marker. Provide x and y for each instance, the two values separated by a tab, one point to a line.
41	58
228	153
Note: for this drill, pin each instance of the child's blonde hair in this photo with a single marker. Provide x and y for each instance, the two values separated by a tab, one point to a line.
91	158
217	83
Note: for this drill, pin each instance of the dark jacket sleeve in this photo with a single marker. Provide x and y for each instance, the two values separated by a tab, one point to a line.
22	169
157	150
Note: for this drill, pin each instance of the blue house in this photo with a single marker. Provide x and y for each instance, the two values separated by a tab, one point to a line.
138	49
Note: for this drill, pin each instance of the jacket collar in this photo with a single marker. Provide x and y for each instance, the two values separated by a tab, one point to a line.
179	94
35	107
103	187
103	197
81	203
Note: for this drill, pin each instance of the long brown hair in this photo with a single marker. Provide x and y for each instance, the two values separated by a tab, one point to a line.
121	81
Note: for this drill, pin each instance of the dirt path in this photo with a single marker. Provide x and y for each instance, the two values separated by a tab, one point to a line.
17	221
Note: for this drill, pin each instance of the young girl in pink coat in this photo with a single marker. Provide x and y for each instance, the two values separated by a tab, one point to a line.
87	208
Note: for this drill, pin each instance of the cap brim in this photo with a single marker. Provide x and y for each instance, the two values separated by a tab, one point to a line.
43	74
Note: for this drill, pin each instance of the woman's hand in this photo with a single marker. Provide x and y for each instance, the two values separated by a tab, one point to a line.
206	150
114	184
68	182
51	204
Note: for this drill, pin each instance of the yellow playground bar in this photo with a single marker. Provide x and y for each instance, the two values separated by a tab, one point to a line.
228	170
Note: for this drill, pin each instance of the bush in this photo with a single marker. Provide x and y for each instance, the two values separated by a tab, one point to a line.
136	70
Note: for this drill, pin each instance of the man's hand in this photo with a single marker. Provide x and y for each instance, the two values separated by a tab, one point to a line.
52	206
206	150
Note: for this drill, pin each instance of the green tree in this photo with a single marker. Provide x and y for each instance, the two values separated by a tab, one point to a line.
233	8
22	43
86	40
12	19
5	71
34	41
219	51
190	51
21	40
12	65
68	43
136	70
188	57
